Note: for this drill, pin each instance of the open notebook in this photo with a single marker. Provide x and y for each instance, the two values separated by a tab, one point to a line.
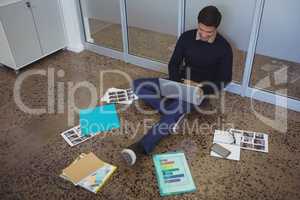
89	172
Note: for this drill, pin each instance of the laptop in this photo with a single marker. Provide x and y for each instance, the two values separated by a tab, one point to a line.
176	90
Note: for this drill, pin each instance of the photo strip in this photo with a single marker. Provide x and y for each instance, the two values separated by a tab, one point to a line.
251	140
121	96
73	136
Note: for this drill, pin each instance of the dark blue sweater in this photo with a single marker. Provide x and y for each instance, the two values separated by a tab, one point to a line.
206	62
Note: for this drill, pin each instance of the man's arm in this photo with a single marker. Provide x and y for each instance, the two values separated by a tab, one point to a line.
176	61
223	74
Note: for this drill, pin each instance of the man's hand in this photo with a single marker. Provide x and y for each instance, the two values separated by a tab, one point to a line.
194	84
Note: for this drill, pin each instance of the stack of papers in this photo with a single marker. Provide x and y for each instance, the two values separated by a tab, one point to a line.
226	140
92	122
234	140
89	172
121	96
173	174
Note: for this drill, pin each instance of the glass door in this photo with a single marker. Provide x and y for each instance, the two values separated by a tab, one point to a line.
152	28
276	66
102	23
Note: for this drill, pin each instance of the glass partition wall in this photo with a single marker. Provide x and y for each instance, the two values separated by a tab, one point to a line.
265	45
276	66
152	32
102	21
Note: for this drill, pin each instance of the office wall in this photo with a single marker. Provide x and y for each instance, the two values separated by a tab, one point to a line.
146	14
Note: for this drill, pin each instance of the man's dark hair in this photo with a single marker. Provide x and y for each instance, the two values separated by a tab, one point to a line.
210	16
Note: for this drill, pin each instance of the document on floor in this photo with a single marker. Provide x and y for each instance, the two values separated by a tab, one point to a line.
250	140
89	172
226	140
73	136
100	119
173	174
120	96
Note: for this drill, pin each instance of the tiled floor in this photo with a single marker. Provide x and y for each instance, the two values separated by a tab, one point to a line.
33	153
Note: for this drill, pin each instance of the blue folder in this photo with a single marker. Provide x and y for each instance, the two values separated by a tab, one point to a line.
100	119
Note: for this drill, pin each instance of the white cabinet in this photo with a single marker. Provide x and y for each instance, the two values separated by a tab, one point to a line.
49	25
29	30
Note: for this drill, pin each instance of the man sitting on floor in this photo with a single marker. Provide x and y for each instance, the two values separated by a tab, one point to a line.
207	56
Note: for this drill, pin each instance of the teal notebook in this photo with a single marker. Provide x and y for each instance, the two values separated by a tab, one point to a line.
173	174
99	119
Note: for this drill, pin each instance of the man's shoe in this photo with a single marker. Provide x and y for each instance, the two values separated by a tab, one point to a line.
129	156
131	153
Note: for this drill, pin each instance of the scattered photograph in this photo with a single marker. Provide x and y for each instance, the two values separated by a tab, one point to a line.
247	139
85	137
70	133
251	140
248	134
78	140
246	145
78	129
259	147
74	137
121	96
235	131
259	135
261	142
